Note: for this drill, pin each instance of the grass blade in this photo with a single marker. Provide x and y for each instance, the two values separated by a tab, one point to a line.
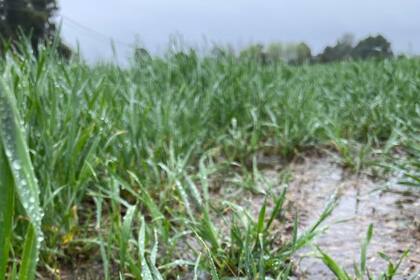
333	266
126	234
25	183
364	249
213	270
6	212
29	256
145	270
277	208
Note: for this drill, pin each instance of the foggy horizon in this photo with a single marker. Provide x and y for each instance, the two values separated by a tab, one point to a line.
236	23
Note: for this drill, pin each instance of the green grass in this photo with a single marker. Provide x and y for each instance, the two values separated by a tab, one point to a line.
128	159
411	167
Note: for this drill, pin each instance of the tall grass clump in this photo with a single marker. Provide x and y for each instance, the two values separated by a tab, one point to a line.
130	160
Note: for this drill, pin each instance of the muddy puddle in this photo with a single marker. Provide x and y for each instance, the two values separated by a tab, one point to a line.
393	210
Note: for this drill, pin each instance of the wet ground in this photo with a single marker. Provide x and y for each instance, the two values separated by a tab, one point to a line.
393	210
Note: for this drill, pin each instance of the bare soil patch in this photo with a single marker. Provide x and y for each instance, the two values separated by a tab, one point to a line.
393	210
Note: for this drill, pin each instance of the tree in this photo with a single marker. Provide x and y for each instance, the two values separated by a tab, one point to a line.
341	51
32	18
377	47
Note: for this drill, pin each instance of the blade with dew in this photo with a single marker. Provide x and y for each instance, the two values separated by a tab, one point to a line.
25	183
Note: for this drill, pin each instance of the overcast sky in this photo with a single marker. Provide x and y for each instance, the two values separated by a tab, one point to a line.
92	23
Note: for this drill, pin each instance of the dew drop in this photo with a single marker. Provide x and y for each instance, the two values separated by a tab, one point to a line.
40	238
16	165
8	153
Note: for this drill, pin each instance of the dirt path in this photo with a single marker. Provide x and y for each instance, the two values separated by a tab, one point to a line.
394	213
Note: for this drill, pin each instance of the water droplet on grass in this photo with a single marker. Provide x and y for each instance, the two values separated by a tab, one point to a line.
16	165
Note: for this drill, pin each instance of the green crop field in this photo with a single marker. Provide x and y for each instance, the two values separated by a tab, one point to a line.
114	171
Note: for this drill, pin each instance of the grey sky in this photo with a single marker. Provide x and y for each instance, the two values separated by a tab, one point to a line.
237	22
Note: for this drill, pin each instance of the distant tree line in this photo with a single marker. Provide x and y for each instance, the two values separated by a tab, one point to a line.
370	47
291	53
300	53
